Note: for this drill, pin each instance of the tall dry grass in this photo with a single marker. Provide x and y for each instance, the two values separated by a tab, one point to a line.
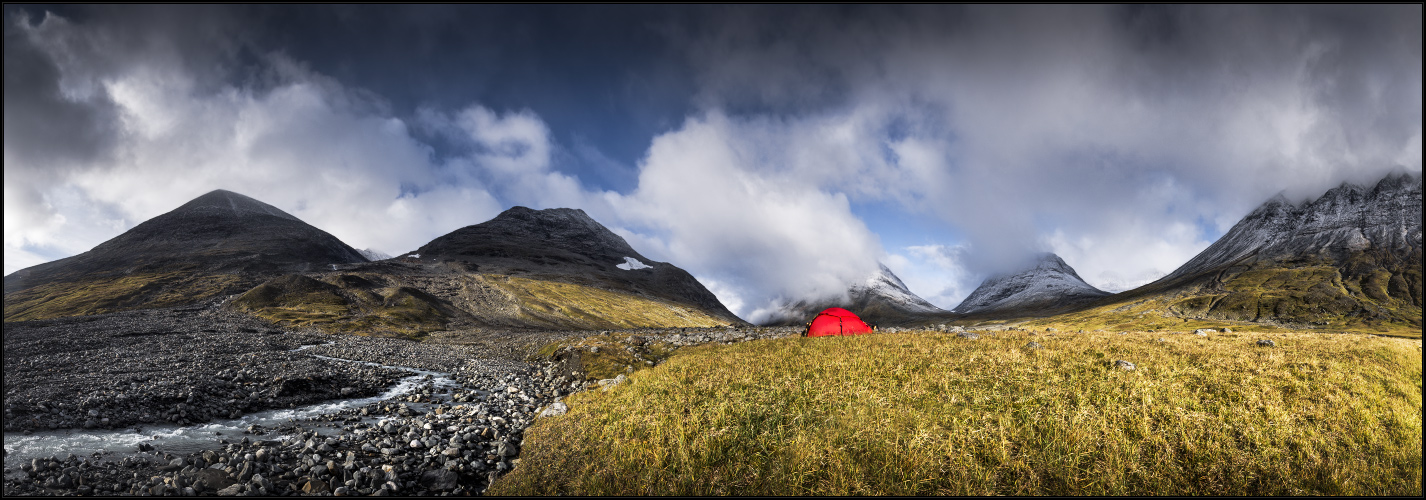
919	413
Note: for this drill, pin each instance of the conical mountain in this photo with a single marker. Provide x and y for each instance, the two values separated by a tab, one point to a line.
1350	258
221	242
1049	286
566	245
881	299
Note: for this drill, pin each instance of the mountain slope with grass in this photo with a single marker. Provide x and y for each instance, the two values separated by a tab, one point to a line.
1348	260
567	246
219	243
553	269
880	299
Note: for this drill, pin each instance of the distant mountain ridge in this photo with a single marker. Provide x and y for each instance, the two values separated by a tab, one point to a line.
543	269
1050	285
1344	220
880	299
1349	258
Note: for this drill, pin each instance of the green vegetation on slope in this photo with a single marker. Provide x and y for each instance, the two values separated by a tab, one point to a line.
117	293
1367	293
352	305
919	413
576	307
374	304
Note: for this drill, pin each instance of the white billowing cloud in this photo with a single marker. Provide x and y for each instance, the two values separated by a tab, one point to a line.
329	155
936	273
1124	138
738	204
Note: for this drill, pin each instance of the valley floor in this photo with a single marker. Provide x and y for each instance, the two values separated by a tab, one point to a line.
115	378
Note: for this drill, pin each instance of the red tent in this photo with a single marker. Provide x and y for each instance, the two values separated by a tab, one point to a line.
835	322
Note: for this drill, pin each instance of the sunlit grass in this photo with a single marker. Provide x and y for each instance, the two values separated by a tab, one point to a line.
565	305
116	293
919	413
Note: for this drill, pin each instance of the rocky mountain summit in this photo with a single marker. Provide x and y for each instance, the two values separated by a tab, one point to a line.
879	299
1051	285
1344	221
221	242
1351	256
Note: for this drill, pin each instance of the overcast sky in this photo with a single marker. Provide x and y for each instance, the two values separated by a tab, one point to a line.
773	152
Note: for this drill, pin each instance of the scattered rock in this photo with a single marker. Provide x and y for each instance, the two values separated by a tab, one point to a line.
1124	365
440	479
968	335
1266	343
1033	345
554	410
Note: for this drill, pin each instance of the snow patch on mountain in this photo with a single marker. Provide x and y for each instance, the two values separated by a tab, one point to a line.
631	264
1050	283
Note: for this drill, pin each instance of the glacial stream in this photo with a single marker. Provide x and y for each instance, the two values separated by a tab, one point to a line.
168	438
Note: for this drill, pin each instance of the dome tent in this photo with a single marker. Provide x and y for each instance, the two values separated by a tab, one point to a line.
836	321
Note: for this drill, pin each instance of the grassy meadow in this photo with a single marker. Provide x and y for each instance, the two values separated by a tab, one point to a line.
926	413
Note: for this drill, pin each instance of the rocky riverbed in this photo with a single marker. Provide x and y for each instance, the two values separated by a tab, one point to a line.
181	367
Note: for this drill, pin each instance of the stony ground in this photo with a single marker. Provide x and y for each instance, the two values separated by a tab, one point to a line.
191	365
180	365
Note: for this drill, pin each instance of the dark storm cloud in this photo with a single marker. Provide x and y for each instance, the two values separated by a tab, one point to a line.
44	126
605	73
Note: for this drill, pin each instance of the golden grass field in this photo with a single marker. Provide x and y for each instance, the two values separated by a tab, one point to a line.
932	414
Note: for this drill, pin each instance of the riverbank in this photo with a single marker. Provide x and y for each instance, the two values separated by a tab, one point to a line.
204	401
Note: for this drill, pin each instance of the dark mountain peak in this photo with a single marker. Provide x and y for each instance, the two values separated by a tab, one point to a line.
219	243
221	202
219	232
565	244
568	229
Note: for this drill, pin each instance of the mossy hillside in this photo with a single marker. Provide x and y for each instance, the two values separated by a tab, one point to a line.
107	294
384	305
919	413
554	304
345	304
1361	295
605	356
